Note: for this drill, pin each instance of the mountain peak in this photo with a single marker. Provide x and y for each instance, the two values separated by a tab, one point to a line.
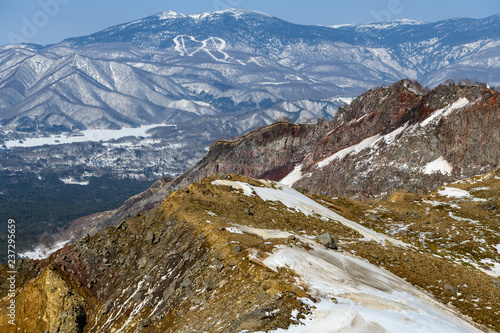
236	12
169	14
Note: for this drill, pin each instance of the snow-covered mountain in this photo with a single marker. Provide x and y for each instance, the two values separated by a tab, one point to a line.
171	67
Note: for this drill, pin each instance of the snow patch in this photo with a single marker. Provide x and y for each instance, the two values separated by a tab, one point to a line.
301	203
452	192
247	189
294	176
356	296
444	112
438	165
352	149
265	233
234	230
389	139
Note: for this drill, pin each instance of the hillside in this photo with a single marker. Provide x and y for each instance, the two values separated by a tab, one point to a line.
230	254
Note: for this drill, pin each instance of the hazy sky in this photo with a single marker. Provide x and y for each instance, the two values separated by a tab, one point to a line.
50	21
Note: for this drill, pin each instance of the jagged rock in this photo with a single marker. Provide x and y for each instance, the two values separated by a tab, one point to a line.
327	240
222	175
156	238
210	284
218	265
237	249
186	283
488	206
149	237
373	217
138	296
108	306
168	292
146	322
449	288
142	262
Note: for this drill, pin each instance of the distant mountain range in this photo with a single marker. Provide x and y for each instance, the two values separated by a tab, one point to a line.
229	67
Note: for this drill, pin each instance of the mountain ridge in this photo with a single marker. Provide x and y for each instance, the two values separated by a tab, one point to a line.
234	60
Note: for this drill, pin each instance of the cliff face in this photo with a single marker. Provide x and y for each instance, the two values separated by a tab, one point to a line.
399	138
412	142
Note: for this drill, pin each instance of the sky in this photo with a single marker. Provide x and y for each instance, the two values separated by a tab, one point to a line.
50	21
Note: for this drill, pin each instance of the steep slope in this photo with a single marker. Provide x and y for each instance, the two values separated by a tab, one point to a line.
231	254
388	139
411	143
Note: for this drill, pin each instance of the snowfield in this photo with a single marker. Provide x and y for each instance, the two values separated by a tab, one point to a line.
351	294
88	135
355	296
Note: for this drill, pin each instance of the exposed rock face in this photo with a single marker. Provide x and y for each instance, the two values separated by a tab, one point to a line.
327	240
399	138
416	144
389	139
51	304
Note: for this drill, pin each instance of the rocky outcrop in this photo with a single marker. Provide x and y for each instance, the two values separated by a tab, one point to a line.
414	143
398	138
200	262
49	303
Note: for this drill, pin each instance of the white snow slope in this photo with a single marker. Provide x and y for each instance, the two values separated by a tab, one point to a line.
352	295
356	296
295	200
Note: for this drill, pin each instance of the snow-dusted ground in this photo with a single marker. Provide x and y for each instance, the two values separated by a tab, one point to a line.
353	295
42	252
73	181
89	135
356	296
295	200
452	192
